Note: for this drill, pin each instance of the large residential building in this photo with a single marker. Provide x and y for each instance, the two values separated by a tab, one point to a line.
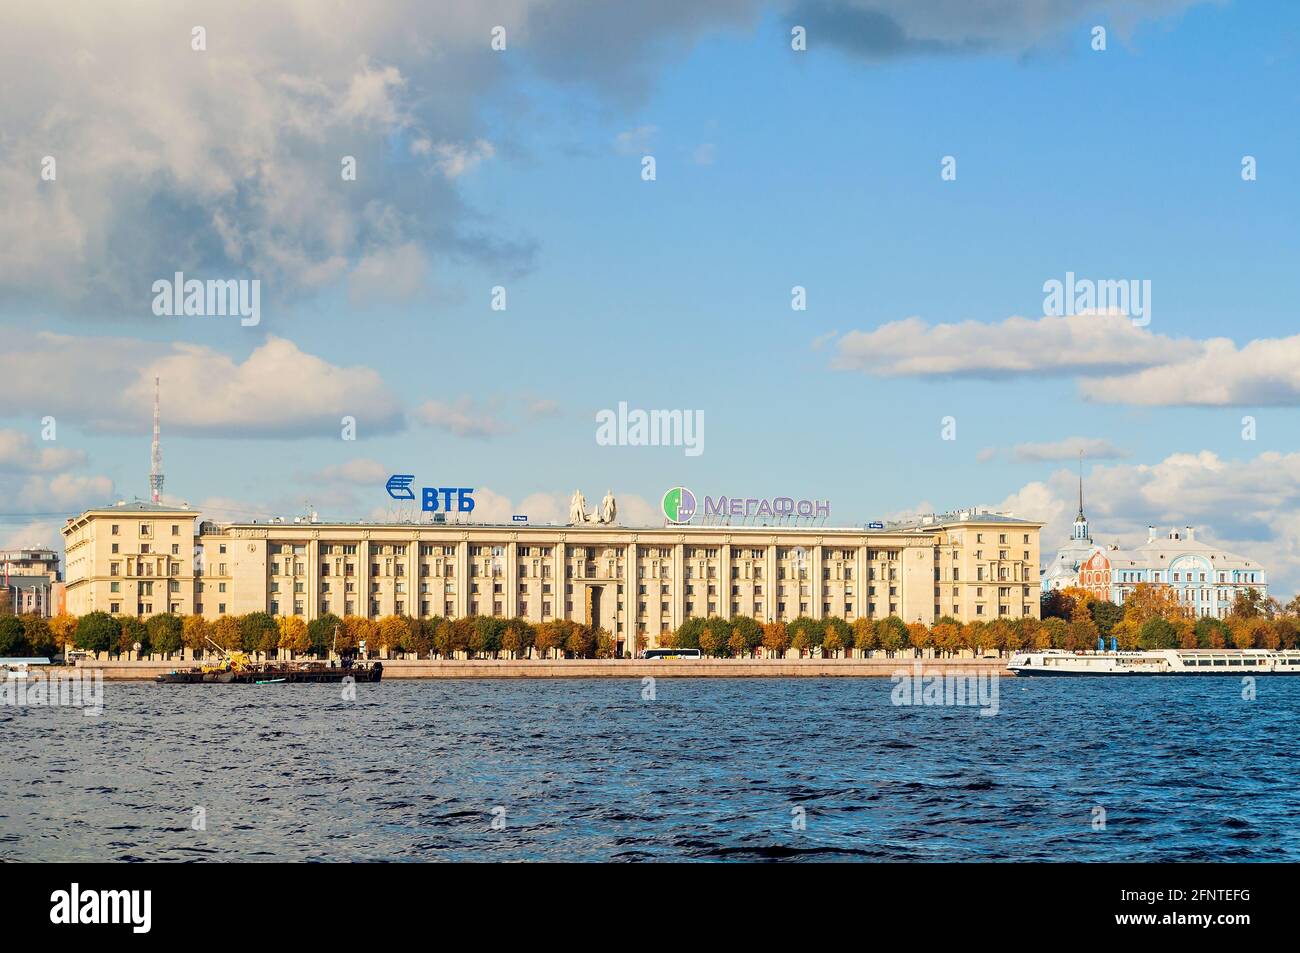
142	558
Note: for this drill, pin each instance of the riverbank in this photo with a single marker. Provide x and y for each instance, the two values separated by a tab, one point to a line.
113	669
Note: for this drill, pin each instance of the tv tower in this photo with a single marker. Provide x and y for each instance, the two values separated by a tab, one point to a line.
155	471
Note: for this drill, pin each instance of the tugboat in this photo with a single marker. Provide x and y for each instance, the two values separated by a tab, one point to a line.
236	668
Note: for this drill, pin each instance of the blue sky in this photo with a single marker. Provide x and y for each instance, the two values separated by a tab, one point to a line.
775	168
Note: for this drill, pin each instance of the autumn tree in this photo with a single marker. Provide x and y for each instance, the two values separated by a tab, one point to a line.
227	632
581	641
38	636
806	633
776	638
1211	633
837	637
549	639
195	631
517	637
64	628
1152	601
394	632
751	635
714	636
864	636
293	634
131	632
891	633
918	637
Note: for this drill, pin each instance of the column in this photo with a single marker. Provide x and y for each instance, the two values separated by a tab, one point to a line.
363	579
630	597
816	590
679	584
559	584
771	588
510	604
724	585
311	604
462	579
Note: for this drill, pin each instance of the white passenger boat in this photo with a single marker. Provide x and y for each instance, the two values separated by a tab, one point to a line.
1158	662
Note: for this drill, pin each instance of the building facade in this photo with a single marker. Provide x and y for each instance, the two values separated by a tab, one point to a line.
1205	580
32	582
141	559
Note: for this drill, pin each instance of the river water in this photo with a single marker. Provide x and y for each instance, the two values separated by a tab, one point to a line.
1184	769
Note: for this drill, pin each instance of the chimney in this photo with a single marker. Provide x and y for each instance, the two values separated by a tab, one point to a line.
1151	534
1191	532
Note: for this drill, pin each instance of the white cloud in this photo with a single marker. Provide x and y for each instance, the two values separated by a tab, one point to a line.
635	141
461	417
1074	344
106	384
542	407
18	452
64	492
455	159
1094	448
362	471
1264	372
389	274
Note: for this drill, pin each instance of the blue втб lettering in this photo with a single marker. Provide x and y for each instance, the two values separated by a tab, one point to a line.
430	497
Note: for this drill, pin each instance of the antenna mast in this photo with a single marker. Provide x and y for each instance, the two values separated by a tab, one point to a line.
155	470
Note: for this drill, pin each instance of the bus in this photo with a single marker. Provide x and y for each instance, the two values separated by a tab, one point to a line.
670	653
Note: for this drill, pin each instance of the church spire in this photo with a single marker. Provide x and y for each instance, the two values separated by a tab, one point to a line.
1081	516
1080	533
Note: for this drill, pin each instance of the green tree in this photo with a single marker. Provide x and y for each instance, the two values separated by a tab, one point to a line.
604	644
132	632
13	644
321	633
715	637
688	634
838	636
1105	616
891	633
806	634
97	632
518	637
1206	630
38	636
581	641
254	629
1055	604
166	633
486	636
1158	633
750	635
422	637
